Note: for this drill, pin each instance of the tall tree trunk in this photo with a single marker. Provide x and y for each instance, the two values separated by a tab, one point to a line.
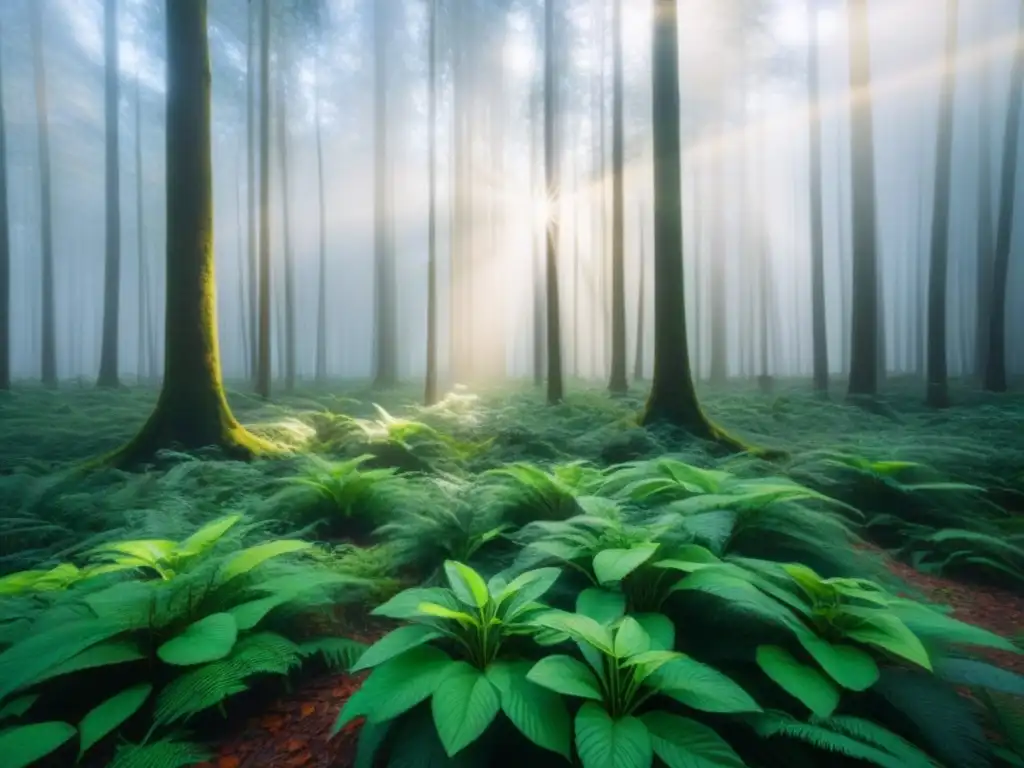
286	209
985	235
638	361
147	328
864	372
995	370
430	395
539	352
321	299
192	411
252	239
577	274
108	375
719	351
938	277
385	342
5	251
263	370
49	314
818	316
243	313
618	384
555	391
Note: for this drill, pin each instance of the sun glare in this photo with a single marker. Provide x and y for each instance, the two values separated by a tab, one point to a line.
790	24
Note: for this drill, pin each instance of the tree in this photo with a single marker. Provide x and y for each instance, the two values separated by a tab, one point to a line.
556	390
638	361
5	253
864	335
618	384
995	369
250	147
147	345
263	347
192	411
938	387
112	265
430	387
49	317
673	397
819	329
985	235
289	261
321	299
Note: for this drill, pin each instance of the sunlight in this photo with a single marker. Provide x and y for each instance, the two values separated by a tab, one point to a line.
789	26
520	56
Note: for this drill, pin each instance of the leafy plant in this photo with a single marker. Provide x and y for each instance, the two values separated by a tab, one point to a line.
533	493
349	495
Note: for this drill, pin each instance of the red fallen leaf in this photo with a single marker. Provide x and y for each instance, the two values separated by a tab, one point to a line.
228	761
307	709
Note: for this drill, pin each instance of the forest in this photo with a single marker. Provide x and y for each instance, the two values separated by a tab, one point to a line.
598	383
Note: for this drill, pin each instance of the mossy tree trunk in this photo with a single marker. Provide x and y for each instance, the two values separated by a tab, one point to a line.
995	368
49	315
864	346
108	375
819	325
5	251
192	411
938	276
556	390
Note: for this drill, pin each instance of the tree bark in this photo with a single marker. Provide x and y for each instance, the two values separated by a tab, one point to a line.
108	375
286	209
985	234
638	360
430	394
555	390
263	363
5	251
253	237
619	384
818	317
192	411
321	298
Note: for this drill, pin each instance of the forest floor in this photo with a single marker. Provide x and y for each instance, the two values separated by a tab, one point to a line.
57	512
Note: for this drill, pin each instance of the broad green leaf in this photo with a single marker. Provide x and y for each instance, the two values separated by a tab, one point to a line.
149	552
689	558
441	612
613	565
529	586
406	605
247	559
892	635
18	707
209	639
660	629
565	675
538	713
848	665
602	605
606	743
248	615
647	663
394	643
206	537
578	627
683	743
464	705
396	686
630	639
101	655
109	715
702	687
809	581
372	737
22	745
466	584
801	682
932	626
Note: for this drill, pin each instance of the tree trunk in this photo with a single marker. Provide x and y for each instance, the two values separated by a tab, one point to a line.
673	398
321	301
985	238
5	252
49	316
385	342
539	352
618	384
243	315
995	370
252	239
864	342
108	375
430	395
555	392
938	277
638	361
818	316
263	363
192	411
286	208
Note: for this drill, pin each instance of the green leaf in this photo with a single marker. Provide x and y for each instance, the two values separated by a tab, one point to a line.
464	705
372	737
206	537
248	615
406	605
529	586
538	713
466	584
613	565
660	629
891	634
396	686
565	675
578	627
683	743
247	559
165	753
22	745
631	639
441	612
394	643
606	743
18	707
798	680
209	639
602	605
702	687
848	665
109	715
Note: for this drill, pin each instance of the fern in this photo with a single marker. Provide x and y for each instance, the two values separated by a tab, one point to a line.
165	753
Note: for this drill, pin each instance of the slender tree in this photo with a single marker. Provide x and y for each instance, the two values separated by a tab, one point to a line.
537	261
618	384
430	388
995	368
108	376
938	276
252	239
288	327
638	360
819	328
673	397
263	370
864	371
321	298
985	232
147	340
556	391
49	315
5	250
192	411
